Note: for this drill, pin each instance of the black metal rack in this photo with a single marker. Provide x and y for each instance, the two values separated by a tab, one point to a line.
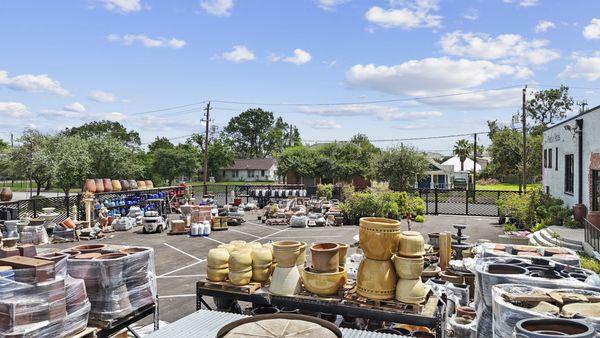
119	324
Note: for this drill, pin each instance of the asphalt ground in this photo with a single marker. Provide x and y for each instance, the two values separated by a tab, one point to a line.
180	260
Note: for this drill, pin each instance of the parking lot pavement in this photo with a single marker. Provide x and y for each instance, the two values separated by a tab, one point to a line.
180	259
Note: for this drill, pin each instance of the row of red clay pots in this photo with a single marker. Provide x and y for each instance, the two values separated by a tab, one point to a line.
108	185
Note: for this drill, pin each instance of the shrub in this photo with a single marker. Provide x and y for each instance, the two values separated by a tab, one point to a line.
347	191
325	190
420	219
589	263
535	209
389	204
509	228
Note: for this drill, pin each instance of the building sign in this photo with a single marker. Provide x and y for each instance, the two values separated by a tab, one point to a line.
551	138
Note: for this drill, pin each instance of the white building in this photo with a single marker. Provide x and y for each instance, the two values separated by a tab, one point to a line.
571	159
256	169
438	176
468	164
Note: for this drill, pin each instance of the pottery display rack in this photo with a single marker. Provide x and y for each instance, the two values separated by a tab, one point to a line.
109	328
430	315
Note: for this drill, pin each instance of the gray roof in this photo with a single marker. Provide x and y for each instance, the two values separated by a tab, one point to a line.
253	163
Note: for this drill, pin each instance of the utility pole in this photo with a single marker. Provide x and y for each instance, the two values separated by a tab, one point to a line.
12	145
474	162
207	120
582	105
524	122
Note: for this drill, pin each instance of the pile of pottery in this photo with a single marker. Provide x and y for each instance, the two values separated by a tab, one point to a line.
290	257
240	263
327	274
107	185
409	262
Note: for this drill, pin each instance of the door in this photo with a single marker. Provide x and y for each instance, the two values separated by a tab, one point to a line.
441	181
425	182
596	190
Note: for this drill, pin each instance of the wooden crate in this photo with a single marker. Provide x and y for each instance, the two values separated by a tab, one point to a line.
246	289
354	298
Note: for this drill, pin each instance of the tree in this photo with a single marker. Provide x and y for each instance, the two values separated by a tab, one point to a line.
170	163
160	143
220	153
35	157
72	162
401	167
299	159
548	106
462	149
104	128
111	158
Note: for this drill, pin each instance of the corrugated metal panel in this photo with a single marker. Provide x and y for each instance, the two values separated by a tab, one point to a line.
353	333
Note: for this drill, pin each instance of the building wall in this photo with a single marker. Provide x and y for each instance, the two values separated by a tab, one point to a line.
567	143
243	175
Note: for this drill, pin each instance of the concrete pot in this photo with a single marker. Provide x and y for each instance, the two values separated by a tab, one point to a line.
553	327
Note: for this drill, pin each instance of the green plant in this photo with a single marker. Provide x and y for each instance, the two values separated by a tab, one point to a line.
535	209
508	228
389	204
420	219
588	262
538	226
325	190
347	191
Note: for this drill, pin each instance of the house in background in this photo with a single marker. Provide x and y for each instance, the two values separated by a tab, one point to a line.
468	164
255	169
438	176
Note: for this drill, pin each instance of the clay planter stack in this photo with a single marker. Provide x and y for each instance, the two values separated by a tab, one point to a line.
217	264
379	238
262	259
286	275
326	276
408	262
240	266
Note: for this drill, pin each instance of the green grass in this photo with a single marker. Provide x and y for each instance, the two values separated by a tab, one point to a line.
589	263
505	186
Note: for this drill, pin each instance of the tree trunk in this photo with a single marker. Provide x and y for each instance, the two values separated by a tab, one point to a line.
462	165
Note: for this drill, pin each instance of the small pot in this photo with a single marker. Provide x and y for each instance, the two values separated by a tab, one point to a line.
99	185
240	277
149	184
286	253
240	260
108	187
261	256
133	184
141	184
408	268
555	327
6	194
89	186
125	185
411	244
325	257
261	273
342	253
594	217
217	258
411	291
579	212
217	274
116	185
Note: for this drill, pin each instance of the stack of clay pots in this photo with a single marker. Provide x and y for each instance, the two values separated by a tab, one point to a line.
379	238
217	264
240	262
286	275
262	260
240	265
408	262
327	274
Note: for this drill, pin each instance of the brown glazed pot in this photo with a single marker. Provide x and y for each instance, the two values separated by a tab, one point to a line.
594	217
6	194
116	184
89	186
325	257
99	185
125	185
149	184
107	185
579	212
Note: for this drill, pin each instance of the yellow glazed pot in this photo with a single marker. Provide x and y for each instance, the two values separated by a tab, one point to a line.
412	244
217	258
286	253
376	279
240	260
285	281
261	273
379	237
253	245
116	185
240	277
230	247
217	275
408	268
270	246
342	253
261	256
324	284
410	291
302	256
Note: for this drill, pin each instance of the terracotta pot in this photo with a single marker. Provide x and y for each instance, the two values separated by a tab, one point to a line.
325	257
505	269
594	217
125	185
240	259
99	185
411	291
217	258
133	185
261	273
286	253
579	212
86	248
261	256
71	253
324	283
141	184
466	311
89	255
553	327
342	253
217	274
379	237
116	184
107	182
149	184
411	244
240	277
407	267
6	194
376	279
286	281
302	256
89	186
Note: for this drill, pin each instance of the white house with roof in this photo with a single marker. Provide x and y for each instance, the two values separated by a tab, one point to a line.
438	176
255	169
468	164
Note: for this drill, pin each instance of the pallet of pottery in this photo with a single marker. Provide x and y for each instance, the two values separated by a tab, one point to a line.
226	286
352	297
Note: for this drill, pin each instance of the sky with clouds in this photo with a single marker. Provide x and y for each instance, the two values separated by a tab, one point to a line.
395	69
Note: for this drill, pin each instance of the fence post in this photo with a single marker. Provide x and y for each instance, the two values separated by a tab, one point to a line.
427	202
435	190
497	208
467	202
226	194
34	202
67	205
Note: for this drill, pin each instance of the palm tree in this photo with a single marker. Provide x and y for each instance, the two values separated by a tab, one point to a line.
462	149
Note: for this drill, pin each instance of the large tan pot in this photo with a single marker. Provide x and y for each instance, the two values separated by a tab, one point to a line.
217	258
376	279
116	184
286	253
89	186
240	259
408	268
379	237
325	257
411	244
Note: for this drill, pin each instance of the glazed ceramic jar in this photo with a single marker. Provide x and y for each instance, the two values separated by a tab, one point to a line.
217	258
342	253
379	237
302	256
125	185
240	259
107	182
376	279
411	244
99	185
240	277
411	291
286	253
286	281
325	257
324	284
261	256
89	186
408	267
133	185
116	184
217	274
6	194
149	184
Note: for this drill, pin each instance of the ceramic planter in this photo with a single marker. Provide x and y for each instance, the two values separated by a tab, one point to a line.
125	185
407	267
325	257
107	183
286	253
579	212
217	274
240	259
376	279
99	185
342	253
261	256
133	185
217	258
116	184
411	291
594	217
379	237
149	184
286	281
89	186
324	284
228	246
302	256
261	273
553	327
411	244
240	277
141	184
6	194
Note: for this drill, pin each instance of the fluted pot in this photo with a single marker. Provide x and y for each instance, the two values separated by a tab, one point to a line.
408	267
6	194
99	185
133	184
240	259
125	185
149	184
116	184
325	257
411	244
217	258
240	277
376	279
379	237
286	253
89	186
107	182
141	184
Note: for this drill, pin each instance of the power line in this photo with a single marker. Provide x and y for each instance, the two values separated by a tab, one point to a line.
167	108
170	139
405	139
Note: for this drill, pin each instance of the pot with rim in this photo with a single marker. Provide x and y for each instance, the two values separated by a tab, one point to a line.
379	237
325	257
324	283
411	244
376	279
286	253
407	267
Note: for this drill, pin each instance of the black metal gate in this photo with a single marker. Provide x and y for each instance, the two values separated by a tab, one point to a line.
462	202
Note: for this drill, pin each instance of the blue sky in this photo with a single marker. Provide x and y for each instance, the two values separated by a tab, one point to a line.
63	63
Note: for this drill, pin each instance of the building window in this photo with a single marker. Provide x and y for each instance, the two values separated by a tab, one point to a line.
250	173
556	155
224	172
235	173
569	173
550	158
262	173
545	158
596	190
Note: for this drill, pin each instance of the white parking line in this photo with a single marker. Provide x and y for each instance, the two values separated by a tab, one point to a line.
183	276
262	225
245	233
212	239
179	269
273	234
332	236
178	296
185	253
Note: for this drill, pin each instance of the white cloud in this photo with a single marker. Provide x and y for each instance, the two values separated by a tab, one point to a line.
130	39
428	76
113	116
102	96
123	6
508	47
300	57
592	31
471	14
544	26
583	67
528	3
239	54
13	109
324	124
414	14
32	83
217	7
381	112
329	4
75	107
479	100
